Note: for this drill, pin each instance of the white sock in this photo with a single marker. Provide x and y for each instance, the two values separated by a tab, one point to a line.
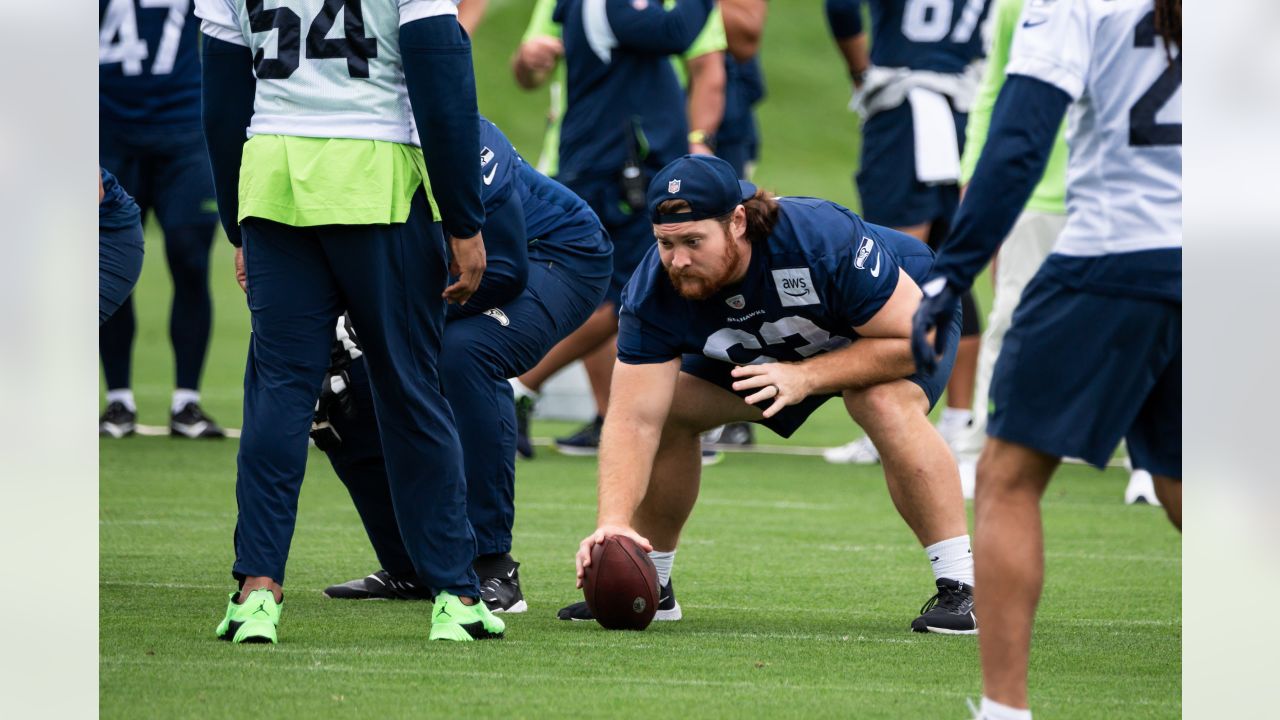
952	559
956	416
663	561
124	395
183	396
992	710
521	390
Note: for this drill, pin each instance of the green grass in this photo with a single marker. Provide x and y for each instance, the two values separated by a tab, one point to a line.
798	579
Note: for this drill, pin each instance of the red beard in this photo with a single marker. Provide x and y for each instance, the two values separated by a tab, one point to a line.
694	285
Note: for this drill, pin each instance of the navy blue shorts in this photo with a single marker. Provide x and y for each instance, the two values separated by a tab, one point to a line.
790	418
891	194
164	170
1080	370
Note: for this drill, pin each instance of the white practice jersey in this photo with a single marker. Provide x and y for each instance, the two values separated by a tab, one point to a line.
1124	177
325	68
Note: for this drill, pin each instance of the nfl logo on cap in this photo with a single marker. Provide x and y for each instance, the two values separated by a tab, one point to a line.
673	187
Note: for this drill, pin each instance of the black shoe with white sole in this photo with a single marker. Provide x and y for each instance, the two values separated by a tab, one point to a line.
949	612
502	594
381	585
668	608
191	422
117	421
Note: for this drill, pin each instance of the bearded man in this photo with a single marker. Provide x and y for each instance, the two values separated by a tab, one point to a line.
753	308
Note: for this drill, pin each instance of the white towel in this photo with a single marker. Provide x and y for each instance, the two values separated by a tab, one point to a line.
937	149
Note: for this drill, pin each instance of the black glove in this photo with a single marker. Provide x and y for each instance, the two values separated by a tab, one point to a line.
935	312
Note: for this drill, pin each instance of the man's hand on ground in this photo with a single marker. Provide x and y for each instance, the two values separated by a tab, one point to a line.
583	559
467	263
783	383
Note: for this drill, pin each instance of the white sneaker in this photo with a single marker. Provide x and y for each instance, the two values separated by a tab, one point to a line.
968	477
859	452
951	431
1141	489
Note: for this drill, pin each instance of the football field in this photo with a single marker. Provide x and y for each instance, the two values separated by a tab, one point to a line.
797	578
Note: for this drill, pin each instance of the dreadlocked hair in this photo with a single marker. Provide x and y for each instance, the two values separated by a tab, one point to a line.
1169	24
761	208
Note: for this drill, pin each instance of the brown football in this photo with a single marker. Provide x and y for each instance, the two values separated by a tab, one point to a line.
621	585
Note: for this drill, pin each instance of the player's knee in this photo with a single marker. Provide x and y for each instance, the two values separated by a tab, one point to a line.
881	407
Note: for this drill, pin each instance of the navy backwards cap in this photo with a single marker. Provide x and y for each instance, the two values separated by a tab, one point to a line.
706	182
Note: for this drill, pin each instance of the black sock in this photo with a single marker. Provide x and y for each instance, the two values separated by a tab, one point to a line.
495	565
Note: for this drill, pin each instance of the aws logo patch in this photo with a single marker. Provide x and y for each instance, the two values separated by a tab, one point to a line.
795	287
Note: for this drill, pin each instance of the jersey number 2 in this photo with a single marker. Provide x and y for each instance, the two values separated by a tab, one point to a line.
1144	131
353	45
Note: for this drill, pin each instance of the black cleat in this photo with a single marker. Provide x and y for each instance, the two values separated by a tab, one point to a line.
668	608
524	411
381	585
191	422
585	442
502	594
117	421
949	612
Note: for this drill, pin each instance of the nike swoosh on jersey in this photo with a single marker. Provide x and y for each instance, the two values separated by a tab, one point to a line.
876	272
488	179
1031	24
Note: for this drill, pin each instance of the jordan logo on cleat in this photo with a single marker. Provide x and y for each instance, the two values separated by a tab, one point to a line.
262	608
443	611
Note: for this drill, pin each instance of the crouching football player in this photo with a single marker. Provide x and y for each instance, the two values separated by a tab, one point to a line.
760	309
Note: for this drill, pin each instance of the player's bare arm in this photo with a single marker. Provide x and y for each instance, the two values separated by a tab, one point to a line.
882	354
638	406
744	26
706	100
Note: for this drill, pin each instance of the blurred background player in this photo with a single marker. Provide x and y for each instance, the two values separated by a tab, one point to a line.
533	223
738	140
1094	353
149	138
621	123
1028	243
752	308
913	91
119	245
334	207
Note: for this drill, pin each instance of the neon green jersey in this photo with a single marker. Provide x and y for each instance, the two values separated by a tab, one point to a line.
711	39
305	181
1050	195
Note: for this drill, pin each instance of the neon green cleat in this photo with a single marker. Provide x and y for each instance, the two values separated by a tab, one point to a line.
254	620
451	620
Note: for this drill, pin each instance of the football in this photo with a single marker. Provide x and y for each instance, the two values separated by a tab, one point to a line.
621	585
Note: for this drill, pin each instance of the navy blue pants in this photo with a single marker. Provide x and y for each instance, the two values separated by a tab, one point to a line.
390	279
167	172
119	264
482	351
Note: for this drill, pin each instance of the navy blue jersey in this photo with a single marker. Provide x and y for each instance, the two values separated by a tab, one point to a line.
623	96
148	63
822	272
938	35
558	223
117	209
